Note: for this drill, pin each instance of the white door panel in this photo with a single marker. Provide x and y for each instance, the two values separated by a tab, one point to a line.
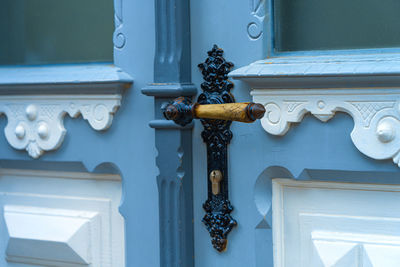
321	224
61	219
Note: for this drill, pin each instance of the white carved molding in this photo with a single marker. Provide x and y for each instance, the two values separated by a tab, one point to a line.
366	86
376	114
35	101
35	123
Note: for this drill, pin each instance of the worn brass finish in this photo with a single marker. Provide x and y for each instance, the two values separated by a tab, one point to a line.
215	178
182	111
243	112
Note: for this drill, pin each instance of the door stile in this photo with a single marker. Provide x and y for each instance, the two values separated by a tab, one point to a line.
172	78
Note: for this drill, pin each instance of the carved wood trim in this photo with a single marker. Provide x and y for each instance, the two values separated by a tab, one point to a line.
172	77
376	114
35	123
119	38
35	101
255	26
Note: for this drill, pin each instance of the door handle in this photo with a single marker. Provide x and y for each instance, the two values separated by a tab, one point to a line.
182	111
216	110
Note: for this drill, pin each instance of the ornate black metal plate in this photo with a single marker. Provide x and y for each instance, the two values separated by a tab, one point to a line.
217	135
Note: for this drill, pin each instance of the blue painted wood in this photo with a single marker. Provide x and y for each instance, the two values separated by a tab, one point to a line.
51	75
323	71
174	143
64	79
129	143
311	150
268	24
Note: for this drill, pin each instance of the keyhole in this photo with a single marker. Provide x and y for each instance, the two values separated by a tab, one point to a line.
215	178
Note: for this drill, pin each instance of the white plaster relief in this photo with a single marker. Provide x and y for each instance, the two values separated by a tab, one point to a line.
63	219
376	114
338	249
330	224
51	237
35	123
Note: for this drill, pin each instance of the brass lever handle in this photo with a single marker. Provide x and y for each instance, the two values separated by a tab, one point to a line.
182	111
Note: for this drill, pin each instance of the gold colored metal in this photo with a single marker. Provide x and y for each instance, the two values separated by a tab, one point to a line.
215	178
243	112
182	111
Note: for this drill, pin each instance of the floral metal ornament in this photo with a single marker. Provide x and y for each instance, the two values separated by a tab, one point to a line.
217	135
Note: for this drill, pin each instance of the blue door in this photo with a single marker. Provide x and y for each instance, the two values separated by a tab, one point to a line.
77	155
300	178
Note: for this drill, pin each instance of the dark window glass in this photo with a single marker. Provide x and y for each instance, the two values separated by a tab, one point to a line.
336	24
55	31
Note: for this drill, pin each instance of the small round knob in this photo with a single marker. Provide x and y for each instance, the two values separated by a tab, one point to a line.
385	132
31	112
20	131
43	130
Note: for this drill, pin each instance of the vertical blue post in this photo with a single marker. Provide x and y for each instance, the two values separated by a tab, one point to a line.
172	78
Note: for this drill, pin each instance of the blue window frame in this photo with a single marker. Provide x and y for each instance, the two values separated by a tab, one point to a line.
56	32
302	25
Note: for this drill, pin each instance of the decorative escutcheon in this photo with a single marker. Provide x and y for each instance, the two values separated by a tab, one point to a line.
216	110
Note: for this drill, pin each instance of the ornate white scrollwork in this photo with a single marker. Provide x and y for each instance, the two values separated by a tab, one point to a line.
35	123
376	114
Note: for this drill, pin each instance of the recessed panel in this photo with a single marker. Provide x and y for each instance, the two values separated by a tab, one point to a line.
53	237
335	224
63	219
